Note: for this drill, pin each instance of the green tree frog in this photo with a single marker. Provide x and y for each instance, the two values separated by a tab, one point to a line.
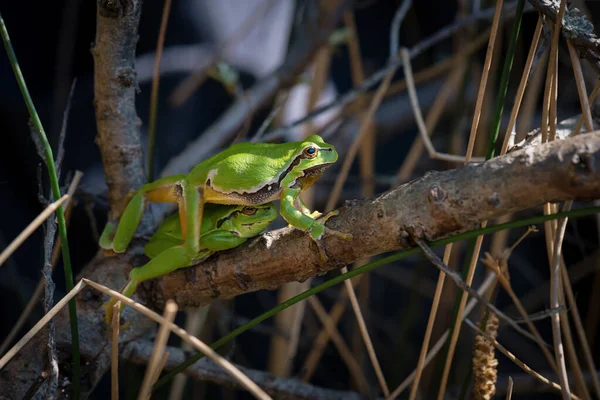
246	174
223	227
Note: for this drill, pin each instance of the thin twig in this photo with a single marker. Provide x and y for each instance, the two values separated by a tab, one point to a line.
414	102
430	322
33	225
40	286
159	347
114	371
395	29
154	91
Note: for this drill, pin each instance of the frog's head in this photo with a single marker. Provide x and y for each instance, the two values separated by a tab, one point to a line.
250	221
316	156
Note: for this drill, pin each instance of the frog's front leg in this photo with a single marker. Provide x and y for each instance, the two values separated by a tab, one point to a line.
163	190
300	220
302	207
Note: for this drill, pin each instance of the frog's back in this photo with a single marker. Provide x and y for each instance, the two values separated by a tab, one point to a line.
245	167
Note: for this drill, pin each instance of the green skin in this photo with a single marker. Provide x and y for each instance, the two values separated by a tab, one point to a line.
223	227
247	174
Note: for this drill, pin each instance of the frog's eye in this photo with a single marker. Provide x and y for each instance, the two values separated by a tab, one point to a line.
310	152
249	210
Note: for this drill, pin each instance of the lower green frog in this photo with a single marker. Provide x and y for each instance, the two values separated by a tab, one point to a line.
223	227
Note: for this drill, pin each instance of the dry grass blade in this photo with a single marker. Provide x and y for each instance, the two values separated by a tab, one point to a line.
42	322
114	371
320	342
153	369
514	359
509	389
510	129
441	341
33	301
432	317
414	102
364	332
14	245
197	343
341	345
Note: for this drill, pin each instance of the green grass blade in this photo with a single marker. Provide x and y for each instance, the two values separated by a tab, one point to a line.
366	268
60	214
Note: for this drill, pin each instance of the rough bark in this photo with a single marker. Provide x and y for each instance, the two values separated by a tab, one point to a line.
115	86
435	206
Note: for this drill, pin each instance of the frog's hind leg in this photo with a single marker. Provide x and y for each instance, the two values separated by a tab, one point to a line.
166	190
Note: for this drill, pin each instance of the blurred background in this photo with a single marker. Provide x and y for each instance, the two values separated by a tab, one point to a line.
254	37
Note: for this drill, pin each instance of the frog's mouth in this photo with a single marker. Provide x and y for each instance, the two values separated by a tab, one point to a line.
317	170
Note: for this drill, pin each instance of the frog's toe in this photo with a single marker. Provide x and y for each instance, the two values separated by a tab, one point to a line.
322	218
338	234
322	252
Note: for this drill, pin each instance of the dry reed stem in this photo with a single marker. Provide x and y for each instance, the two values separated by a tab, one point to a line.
414	102
159	348
364	332
509	389
442	340
155	84
322	339
484	78
41	323
531	96
590	101
479	240
431	321
515	360
510	129
33	301
555	303
29	229
114	370
341	345
161	366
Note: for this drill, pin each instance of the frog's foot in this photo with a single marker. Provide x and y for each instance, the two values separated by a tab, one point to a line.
333	232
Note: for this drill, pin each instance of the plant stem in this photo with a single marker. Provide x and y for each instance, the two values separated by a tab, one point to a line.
60	214
508	62
366	268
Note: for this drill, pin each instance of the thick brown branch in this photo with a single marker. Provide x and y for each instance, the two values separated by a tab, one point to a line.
115	86
435	206
139	352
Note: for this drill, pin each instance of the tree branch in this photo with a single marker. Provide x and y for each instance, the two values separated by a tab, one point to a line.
139	352
115	86
435	206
